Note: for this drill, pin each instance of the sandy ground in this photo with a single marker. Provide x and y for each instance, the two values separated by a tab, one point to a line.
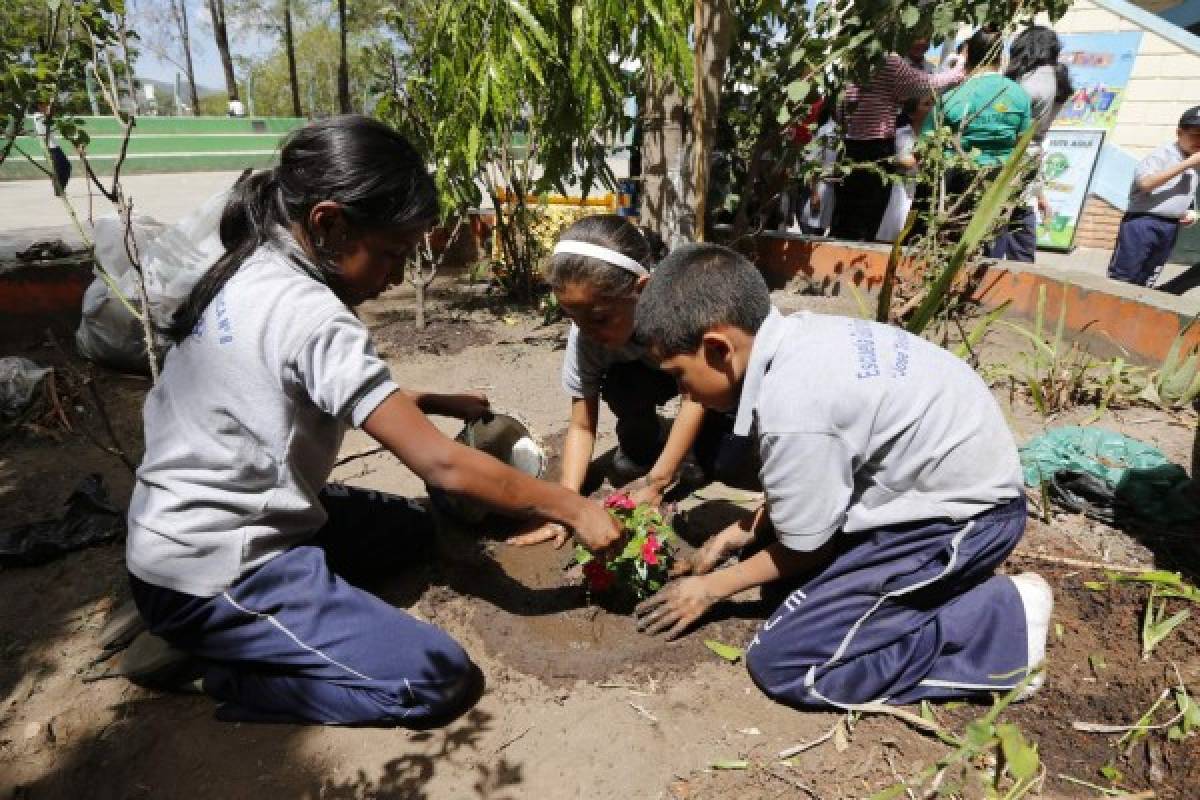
578	704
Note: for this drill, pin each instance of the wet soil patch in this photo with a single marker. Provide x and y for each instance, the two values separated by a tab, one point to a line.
538	619
397	335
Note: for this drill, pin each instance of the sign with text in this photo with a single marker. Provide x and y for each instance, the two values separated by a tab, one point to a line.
1100	64
1068	158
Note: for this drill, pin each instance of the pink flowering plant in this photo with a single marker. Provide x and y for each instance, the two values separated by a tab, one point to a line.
640	566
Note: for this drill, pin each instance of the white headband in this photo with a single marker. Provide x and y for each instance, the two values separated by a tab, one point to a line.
605	254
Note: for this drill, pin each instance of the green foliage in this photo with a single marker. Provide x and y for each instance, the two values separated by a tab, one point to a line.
523	96
996	200
1156	625
788	55
983	742
45	47
1176	383
316	72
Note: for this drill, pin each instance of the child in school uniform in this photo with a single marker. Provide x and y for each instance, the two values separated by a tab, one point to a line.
1161	199
893	491
599	267
237	557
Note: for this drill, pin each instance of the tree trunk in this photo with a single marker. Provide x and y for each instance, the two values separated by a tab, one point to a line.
419	287
180	9
216	10
665	209
289	44
343	77
714	34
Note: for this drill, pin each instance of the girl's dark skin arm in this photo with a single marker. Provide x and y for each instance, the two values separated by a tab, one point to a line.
400	425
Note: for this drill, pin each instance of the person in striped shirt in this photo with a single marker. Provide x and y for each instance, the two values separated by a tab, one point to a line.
871	137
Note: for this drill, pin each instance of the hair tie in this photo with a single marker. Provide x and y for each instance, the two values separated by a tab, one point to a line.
605	254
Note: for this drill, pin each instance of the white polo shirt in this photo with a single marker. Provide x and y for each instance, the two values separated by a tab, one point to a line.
863	426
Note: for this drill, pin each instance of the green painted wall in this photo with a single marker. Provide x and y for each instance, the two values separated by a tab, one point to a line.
166	144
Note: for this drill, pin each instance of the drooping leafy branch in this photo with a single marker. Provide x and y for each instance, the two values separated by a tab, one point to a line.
518	98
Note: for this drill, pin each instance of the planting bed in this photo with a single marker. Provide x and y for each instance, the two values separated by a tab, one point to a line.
578	703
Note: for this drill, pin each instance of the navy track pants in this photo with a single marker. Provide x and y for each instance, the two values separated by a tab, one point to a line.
293	641
899	616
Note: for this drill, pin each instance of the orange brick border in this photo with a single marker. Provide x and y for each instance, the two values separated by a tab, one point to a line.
1141	329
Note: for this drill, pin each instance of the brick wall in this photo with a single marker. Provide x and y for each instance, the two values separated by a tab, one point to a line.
1098	224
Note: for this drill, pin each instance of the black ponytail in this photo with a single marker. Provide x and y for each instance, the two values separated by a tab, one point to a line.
364	166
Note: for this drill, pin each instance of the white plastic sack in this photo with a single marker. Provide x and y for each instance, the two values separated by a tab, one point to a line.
173	258
19	379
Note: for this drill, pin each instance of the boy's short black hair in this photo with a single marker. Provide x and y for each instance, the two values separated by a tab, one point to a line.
695	289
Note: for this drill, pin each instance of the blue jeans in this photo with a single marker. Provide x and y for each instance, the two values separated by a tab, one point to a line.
293	641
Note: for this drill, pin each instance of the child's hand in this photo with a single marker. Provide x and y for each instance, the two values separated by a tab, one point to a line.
675	608
646	490
538	533
594	527
1188	218
715	550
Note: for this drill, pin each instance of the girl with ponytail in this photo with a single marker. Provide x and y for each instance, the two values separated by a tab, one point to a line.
238	554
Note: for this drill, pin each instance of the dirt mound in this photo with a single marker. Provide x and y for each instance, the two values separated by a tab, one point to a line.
441	336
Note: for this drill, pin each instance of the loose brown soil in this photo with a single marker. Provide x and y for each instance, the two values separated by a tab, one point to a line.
578	704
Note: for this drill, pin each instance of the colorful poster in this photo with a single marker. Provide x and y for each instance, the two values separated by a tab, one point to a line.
1100	64
1069	156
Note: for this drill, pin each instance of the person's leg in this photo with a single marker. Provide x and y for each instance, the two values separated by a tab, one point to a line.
901	615
633	392
371	534
1166	232
1135	241
1018	239
863	195
292	641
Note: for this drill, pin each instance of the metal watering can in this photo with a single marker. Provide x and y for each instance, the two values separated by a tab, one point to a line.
503	437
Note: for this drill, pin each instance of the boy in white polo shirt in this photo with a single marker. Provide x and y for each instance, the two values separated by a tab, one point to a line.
893	491
1161	199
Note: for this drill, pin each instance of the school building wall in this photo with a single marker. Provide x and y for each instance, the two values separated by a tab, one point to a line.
1164	83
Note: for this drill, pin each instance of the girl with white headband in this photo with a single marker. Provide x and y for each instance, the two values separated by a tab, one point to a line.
598	269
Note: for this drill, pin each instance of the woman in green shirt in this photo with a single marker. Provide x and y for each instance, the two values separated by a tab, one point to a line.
989	111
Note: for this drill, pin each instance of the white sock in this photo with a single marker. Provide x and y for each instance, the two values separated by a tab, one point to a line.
1038	602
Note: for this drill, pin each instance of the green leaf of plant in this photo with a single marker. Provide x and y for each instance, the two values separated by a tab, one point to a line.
980	733
531	23
1021	757
731	765
728	652
798	90
1096	660
1111	772
910	16
583	555
1096	586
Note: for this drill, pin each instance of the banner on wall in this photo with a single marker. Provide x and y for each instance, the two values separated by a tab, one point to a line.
1069	157
1100	64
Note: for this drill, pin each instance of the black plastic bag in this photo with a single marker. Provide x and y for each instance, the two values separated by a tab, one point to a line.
90	519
